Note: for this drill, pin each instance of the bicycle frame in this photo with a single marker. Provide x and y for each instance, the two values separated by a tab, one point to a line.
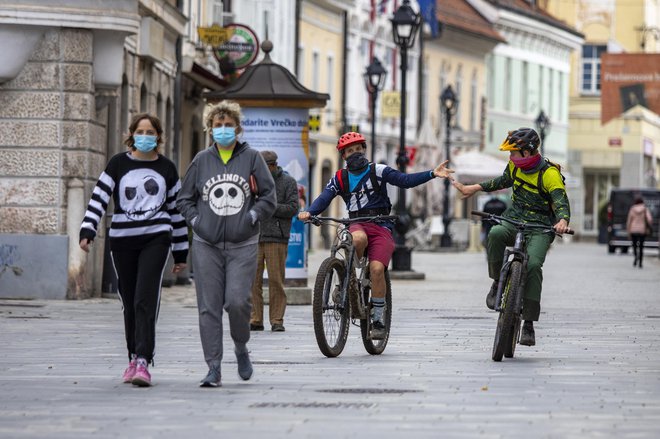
516	253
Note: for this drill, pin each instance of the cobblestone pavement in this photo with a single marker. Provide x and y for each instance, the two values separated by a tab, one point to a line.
595	371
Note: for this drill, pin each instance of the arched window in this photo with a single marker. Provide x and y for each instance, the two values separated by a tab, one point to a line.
143	99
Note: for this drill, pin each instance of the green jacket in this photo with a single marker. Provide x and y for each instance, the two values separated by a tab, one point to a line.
527	204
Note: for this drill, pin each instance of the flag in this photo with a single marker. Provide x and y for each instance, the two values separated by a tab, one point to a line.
427	9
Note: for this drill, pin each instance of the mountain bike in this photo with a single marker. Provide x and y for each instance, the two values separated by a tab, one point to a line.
511	286
342	292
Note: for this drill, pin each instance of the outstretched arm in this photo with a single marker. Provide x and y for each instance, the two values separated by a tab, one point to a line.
441	171
467	190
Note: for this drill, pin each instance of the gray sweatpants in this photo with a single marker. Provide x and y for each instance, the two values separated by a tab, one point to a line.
223	279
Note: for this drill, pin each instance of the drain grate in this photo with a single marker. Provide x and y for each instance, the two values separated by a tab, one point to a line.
423	309
22	305
27	317
313	405
462	317
653	317
370	391
267	363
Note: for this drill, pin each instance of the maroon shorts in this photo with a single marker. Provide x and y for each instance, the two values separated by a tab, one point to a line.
380	241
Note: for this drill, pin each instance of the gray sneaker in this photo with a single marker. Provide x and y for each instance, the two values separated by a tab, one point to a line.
527	337
212	378
491	296
244	366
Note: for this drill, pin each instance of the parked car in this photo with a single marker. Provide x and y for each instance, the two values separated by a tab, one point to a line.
617	215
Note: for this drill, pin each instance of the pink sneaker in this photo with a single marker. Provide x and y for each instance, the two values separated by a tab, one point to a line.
142	376
129	373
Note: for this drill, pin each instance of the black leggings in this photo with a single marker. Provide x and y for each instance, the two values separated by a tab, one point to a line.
638	241
140	273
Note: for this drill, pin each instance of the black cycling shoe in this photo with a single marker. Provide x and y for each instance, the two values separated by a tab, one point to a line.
490	297
527	336
378	330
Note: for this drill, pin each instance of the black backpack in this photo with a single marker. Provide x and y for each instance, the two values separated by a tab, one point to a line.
342	177
539	184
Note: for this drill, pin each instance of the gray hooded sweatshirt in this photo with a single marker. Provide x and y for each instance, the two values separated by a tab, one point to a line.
216	200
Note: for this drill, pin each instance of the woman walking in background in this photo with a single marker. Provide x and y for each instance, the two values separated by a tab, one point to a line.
145	225
638	226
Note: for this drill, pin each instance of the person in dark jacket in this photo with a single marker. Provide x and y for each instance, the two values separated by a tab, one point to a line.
273	245
496	207
226	192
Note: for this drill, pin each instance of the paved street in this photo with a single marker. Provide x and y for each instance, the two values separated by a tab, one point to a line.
595	371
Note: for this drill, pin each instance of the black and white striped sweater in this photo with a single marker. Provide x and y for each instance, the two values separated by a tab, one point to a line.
144	195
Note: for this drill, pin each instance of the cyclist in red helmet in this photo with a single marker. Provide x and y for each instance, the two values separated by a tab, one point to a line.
539	196
363	186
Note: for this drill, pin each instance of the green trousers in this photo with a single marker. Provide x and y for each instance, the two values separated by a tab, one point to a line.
503	235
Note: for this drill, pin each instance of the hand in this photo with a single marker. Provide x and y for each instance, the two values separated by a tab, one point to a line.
84	244
466	191
443	172
561	227
304	216
178	267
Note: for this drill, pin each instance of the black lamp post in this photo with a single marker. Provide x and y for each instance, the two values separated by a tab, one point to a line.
543	127
449	101
405	24
374	80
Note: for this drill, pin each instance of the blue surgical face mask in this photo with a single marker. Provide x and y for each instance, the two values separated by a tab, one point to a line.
145	143
224	136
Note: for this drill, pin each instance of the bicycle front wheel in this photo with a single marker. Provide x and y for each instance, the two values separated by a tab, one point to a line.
506	334
376	347
330	313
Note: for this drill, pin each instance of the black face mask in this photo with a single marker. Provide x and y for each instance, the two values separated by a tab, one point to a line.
357	162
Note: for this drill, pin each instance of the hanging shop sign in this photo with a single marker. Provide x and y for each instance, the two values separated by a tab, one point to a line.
214	36
241	48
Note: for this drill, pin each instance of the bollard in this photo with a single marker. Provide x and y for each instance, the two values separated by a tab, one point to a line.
474	245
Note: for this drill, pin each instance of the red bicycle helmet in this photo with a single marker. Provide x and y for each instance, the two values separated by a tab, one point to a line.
349	139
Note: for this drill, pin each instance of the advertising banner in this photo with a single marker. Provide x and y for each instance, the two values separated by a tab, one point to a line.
285	131
628	80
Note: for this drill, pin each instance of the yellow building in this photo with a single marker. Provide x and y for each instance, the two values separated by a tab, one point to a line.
622	152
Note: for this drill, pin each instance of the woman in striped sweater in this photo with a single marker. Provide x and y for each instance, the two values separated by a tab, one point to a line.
145	224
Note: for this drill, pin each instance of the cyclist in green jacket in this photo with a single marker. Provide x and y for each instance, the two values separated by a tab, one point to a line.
538	196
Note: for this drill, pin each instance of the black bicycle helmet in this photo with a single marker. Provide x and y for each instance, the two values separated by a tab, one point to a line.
522	139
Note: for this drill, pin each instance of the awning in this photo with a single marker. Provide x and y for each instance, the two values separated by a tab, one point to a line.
475	167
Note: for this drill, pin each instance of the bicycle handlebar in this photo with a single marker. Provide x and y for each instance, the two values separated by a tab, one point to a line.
499	219
317	220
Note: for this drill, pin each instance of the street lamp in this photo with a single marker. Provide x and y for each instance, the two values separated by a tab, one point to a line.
374	80
405	24
543	127
449	101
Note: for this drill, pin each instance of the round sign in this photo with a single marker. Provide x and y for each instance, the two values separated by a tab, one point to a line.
241	48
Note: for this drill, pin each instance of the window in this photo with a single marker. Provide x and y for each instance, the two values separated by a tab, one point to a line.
473	102
315	71
541	85
507	85
459	87
524	90
330	78
425	91
560	106
551	94
591	68
301	65
490	74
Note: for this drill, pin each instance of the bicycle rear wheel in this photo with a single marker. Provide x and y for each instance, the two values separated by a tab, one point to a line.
331	317
506	333
376	347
